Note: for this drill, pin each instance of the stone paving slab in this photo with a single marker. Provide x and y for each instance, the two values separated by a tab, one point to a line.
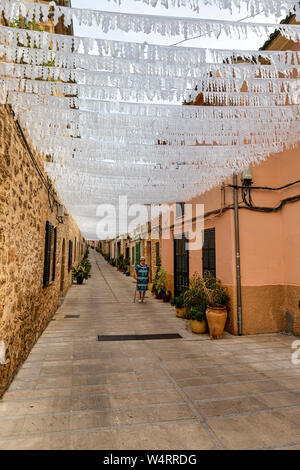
75	392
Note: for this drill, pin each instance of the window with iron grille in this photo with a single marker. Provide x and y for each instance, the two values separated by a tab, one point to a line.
181	264
70	255
47	259
209	252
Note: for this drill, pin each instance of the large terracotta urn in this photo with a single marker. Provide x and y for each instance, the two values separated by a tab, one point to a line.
216	319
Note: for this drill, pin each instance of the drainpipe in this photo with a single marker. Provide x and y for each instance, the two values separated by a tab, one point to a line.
237	257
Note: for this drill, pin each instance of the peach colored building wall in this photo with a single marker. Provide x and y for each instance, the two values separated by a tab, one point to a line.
269	248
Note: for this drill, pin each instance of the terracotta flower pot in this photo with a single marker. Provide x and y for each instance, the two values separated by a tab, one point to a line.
216	318
180	311
166	297
157	296
199	326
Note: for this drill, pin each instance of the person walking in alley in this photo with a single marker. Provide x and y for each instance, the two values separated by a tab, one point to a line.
142	278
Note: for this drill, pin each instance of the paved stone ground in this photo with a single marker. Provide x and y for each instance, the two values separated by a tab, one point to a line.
74	392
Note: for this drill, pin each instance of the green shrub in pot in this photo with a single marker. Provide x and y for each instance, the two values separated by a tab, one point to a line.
178	302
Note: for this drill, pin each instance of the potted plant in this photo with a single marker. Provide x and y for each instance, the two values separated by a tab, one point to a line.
81	272
160	287
86	263
217	305
86	253
122	263
197	317
153	289
178	303
166	296
119	262
195	294
126	265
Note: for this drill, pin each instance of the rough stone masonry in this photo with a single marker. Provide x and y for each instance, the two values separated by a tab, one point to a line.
25	306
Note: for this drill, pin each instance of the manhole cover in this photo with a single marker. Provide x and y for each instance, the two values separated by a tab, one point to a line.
138	337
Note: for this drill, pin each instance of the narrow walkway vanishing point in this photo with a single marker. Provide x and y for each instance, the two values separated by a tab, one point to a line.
75	392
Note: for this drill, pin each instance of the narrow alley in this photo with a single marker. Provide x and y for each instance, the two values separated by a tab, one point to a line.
75	392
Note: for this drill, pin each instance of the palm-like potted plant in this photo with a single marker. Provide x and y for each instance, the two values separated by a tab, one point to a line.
217	305
153	289
194	295
178	303
86	263
81	272
160	284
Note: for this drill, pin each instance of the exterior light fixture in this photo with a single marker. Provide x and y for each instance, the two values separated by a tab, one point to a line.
60	213
247	177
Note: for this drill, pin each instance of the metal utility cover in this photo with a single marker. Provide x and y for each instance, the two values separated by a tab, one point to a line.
138	337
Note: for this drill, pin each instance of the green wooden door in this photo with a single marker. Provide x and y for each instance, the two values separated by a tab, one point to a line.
137	252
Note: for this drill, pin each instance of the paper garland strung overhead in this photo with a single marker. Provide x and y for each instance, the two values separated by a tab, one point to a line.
76	120
66	147
116	129
254	7
99	48
92	50
205	81
101	143
128	169
105	85
161	25
153	110
124	66
128	94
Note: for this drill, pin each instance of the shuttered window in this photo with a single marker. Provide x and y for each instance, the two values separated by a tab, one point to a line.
137	252
209	252
70	255
47	259
54	253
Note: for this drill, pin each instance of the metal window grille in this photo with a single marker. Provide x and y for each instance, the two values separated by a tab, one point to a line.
209	252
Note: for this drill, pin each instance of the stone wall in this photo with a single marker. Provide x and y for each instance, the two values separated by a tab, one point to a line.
25	306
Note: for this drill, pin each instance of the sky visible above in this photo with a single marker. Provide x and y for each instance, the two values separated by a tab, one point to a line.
210	12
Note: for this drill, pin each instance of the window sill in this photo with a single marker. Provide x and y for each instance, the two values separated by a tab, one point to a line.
48	285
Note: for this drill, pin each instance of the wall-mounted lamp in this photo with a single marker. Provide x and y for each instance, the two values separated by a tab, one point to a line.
60	213
247	177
